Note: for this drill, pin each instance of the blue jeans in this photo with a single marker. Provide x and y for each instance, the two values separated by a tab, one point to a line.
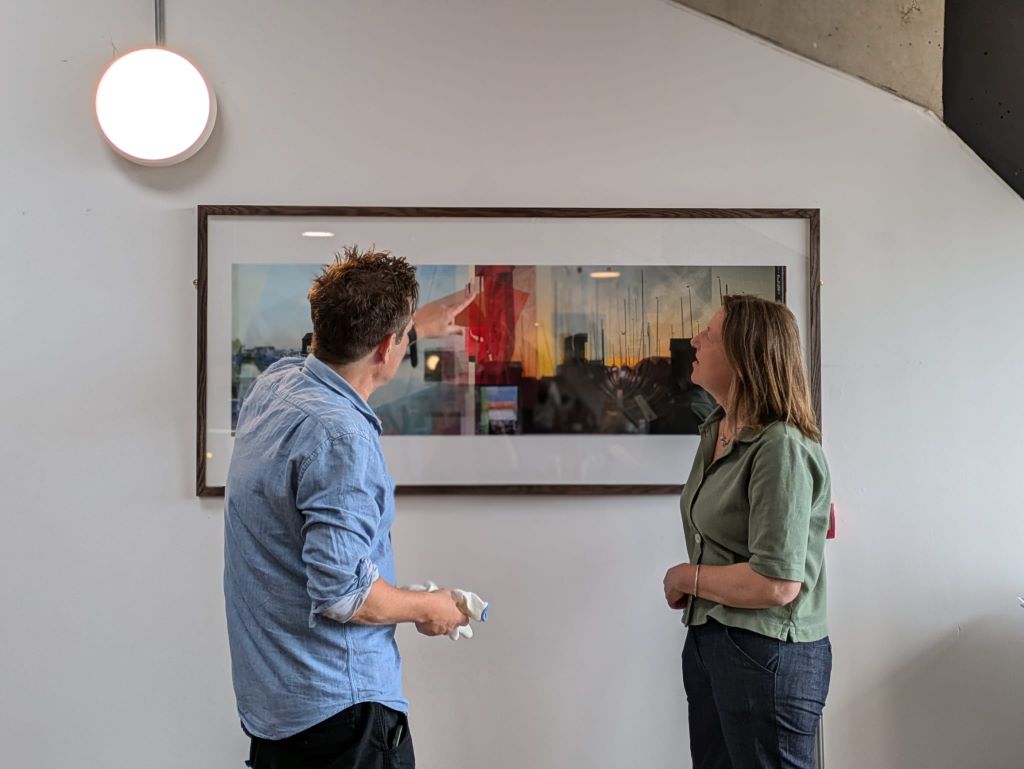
754	702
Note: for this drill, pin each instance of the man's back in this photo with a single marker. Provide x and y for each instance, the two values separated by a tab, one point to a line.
307	519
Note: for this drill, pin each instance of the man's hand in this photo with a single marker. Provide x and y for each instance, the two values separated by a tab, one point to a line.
437	318
676	583
443	616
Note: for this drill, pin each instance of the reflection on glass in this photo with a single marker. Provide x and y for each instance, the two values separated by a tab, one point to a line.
544	349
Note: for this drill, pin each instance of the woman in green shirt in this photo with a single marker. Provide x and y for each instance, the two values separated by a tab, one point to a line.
755	509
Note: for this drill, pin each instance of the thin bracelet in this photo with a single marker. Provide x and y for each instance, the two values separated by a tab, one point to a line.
696	578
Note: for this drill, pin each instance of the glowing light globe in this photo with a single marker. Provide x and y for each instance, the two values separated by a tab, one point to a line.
155	107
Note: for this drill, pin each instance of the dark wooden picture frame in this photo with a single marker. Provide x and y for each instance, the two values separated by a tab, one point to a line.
812	331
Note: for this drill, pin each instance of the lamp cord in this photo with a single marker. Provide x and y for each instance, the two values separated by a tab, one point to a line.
158	11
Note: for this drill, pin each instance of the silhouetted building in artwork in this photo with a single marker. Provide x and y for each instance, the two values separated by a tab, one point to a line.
575	348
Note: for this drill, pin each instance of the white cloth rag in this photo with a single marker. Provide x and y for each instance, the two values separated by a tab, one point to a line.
470	604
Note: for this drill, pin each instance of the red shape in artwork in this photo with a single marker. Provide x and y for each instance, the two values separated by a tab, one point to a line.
491	320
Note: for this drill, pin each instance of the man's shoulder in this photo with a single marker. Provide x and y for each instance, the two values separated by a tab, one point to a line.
336	418
324	410
273	376
283	365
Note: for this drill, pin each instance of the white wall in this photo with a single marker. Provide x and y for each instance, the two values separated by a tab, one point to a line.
114	651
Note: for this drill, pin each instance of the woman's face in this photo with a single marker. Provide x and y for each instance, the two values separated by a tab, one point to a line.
711	369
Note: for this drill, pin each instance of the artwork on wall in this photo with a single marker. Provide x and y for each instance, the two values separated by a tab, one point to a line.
544	348
572	371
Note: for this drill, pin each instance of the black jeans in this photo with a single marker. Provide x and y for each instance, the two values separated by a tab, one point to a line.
754	702
364	736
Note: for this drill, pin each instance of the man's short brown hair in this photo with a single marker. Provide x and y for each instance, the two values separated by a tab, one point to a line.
358	300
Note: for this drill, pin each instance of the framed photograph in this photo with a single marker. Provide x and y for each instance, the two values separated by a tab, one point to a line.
571	369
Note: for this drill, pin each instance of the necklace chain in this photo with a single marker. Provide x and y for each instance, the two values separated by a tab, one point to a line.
725	440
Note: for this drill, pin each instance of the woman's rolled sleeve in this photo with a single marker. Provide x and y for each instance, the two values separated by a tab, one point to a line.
780	491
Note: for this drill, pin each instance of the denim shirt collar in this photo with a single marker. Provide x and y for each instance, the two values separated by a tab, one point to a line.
336	382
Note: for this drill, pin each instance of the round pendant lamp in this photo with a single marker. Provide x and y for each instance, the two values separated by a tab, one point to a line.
154	106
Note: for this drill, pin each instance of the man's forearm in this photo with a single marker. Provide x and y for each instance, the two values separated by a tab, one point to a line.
388	605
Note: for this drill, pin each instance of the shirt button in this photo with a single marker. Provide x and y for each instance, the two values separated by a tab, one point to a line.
697	538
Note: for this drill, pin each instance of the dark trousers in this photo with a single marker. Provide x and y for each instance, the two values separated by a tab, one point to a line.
754	702
364	736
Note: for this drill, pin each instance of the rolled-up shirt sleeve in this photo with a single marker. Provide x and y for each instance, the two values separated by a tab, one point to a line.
780	492
336	496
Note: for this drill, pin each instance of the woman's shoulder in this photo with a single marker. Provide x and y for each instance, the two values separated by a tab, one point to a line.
786	434
781	430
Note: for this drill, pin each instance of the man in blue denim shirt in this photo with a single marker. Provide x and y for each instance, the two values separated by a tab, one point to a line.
309	571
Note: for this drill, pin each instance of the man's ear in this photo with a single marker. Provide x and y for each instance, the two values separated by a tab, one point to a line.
385	349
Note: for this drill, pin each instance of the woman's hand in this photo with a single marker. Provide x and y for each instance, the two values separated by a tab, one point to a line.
677	580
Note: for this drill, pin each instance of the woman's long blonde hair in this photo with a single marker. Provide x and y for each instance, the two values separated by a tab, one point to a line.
762	344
